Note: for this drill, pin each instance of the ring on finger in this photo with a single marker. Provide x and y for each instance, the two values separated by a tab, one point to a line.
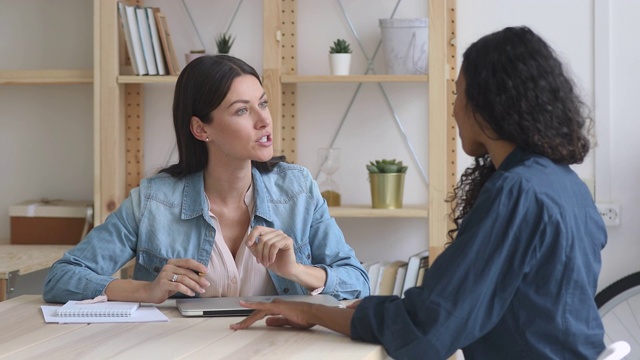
174	278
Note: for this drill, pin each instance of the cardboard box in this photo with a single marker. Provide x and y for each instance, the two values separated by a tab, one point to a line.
47	222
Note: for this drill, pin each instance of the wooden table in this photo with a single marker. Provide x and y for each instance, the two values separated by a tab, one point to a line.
27	336
16	261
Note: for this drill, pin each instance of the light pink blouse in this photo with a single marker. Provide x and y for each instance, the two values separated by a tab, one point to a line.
241	276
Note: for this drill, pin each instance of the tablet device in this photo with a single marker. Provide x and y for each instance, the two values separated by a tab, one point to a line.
230	306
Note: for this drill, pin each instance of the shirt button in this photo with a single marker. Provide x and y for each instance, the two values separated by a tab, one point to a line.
156	269
234	280
285	290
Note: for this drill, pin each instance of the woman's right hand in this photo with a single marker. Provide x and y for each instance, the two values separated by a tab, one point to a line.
177	275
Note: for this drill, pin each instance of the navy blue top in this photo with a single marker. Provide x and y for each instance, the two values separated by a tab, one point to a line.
517	283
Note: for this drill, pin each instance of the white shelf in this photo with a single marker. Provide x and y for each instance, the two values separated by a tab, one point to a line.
147	79
365	211
38	77
294	79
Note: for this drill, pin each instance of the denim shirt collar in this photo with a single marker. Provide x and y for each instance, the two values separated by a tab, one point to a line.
194	202
515	156
261	197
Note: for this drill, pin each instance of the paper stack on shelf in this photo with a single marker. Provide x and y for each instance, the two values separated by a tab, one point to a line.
155	40
148	40
414	265
132	35
147	45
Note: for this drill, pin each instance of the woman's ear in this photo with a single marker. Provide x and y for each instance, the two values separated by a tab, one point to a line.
198	129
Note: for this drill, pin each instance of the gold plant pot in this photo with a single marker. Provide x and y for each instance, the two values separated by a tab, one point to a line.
387	190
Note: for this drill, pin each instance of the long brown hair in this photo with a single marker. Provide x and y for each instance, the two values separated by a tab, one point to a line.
201	87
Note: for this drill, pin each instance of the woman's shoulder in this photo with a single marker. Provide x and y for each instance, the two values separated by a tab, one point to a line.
162	179
288	178
283	170
164	185
540	178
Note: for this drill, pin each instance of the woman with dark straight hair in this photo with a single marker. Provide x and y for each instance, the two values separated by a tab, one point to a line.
518	279
228	219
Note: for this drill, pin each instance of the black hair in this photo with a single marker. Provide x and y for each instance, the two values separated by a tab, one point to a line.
517	84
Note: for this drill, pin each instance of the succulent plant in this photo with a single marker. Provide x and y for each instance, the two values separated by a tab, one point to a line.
340	46
224	41
385	166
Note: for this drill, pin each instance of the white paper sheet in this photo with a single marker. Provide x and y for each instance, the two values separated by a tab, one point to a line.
143	314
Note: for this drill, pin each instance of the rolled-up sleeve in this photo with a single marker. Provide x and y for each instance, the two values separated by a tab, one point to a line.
84	271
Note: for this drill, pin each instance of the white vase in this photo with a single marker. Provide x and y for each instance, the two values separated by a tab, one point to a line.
189	57
339	64
405	43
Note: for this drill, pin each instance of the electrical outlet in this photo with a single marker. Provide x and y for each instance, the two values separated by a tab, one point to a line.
610	213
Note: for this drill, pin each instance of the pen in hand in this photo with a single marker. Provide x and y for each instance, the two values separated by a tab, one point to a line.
201	274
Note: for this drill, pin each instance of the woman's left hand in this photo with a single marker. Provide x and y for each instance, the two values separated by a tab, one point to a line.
278	313
273	249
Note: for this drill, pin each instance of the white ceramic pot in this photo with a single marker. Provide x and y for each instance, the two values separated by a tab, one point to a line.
339	64
192	56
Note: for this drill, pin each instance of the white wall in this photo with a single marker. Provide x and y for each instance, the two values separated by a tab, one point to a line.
45	131
622	252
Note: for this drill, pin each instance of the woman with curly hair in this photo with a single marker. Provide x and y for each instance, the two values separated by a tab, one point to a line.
518	278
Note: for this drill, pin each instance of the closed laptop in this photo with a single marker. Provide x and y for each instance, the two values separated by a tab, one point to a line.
230	306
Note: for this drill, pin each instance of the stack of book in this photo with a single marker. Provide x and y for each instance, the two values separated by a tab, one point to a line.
148	40
395	277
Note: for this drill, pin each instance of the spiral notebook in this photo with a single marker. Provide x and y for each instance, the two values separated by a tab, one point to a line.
99	309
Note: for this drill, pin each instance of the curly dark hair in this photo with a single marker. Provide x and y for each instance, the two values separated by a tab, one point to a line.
518	85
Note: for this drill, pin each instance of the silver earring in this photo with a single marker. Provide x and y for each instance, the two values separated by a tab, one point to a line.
207	139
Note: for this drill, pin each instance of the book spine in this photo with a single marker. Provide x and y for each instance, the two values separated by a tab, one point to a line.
413	268
136	40
126	32
145	37
399	283
155	41
167	43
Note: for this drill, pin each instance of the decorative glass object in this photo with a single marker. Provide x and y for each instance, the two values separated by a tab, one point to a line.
329	160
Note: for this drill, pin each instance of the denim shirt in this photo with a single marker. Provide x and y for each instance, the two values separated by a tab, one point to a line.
167	217
518	282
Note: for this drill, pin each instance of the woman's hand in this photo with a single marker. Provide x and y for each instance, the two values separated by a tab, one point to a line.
177	275
300	315
291	313
273	249
353	305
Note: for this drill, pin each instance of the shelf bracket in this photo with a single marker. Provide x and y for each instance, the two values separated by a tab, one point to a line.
12	277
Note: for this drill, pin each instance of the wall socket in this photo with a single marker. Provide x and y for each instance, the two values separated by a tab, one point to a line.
610	213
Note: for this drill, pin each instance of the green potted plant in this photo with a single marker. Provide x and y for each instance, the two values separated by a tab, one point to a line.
386	178
224	42
340	57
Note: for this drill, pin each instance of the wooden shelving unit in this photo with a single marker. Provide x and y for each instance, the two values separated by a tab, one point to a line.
294	79
365	211
43	77
118	110
280	80
146	79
